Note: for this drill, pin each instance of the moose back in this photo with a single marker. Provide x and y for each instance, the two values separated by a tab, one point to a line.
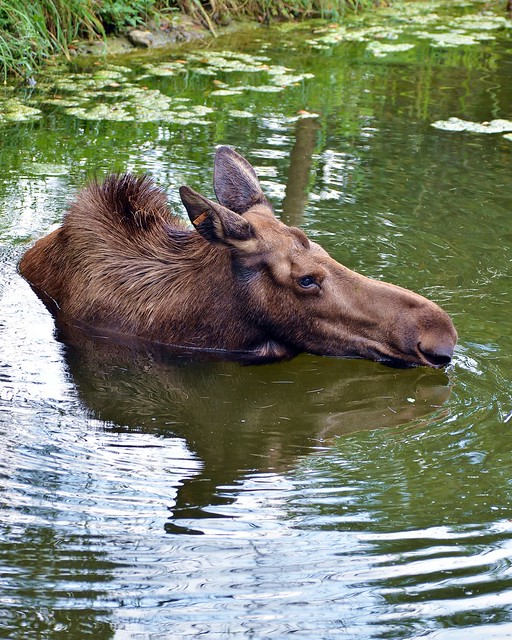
239	281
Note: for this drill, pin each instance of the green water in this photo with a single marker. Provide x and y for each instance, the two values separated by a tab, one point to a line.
149	496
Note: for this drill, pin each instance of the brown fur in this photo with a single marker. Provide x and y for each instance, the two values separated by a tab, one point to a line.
121	262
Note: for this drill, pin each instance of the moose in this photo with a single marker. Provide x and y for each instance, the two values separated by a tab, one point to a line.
239	282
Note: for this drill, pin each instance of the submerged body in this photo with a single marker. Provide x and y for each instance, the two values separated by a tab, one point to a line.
240	281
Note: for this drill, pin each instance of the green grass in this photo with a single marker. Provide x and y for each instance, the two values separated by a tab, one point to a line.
31	31
266	10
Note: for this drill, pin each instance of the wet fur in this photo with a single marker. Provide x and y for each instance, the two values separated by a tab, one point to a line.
140	270
123	263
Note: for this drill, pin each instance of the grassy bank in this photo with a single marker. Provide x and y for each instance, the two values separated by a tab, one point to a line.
31	31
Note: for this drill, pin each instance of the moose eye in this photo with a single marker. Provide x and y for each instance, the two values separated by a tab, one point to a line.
307	282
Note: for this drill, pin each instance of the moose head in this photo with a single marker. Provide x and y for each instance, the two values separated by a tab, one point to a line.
240	281
302	298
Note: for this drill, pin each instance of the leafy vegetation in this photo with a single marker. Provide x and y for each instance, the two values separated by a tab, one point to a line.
33	30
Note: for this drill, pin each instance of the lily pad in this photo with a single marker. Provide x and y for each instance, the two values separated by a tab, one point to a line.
262	88
57	102
379	49
228	61
286	80
203	71
448	39
457	124
46	169
101	112
414	19
485	22
14	110
118	67
235	113
80	81
165	69
226	92
108	74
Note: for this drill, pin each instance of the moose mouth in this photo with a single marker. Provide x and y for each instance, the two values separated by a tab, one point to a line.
440	358
420	357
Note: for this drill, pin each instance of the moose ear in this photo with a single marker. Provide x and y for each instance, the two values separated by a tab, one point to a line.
214	222
235	182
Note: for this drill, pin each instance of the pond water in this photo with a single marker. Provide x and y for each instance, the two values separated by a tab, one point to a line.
150	496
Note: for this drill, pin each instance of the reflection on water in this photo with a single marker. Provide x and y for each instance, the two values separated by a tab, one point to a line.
147	494
238	419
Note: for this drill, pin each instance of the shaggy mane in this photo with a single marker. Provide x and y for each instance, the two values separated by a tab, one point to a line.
136	202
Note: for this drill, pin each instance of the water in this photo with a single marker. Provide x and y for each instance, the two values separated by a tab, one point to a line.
146	495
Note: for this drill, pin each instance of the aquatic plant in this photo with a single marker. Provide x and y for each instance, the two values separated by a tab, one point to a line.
13	110
108	93
499	125
380	49
408	23
32	32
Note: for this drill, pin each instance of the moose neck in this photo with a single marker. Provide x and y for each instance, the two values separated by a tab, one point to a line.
201	297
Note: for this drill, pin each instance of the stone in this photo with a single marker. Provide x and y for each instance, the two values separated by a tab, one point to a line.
140	38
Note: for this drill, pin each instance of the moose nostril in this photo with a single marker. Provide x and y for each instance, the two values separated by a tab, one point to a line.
438	358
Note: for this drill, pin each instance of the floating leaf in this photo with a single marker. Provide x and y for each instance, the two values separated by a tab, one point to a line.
277	70
203	71
46	169
200	110
287	80
14	110
485	22
101	112
380	49
108	74
58	102
448	39
234	113
457	124
165	69
262	88
228	61
226	92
